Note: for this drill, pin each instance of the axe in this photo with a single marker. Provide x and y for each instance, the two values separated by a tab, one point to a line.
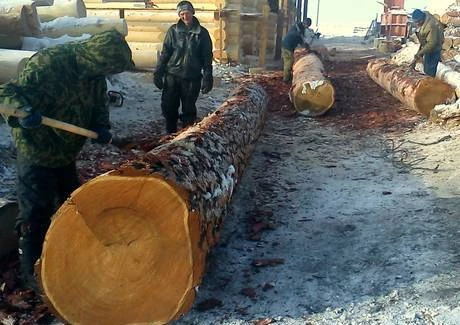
50	122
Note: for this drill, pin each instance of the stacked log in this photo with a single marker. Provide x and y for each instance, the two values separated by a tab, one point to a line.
60	8
12	62
145	230
311	92
78	26
417	90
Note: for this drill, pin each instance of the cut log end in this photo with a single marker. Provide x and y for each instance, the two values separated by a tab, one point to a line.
127	258
432	92
313	99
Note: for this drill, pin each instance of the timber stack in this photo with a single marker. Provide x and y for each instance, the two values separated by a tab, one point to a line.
27	26
311	92
137	238
415	89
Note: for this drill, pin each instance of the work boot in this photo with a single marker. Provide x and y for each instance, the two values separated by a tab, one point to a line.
29	252
171	127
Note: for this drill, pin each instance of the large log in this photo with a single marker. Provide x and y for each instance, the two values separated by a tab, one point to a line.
78	26
311	92
12	62
61	8
417	90
137	238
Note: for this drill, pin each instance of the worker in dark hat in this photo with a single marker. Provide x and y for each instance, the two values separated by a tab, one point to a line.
66	82
294	37
184	67
430	35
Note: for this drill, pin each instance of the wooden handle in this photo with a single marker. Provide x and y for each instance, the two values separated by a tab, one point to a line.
51	122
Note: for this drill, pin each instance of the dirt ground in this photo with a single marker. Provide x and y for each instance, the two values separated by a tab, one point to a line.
355	213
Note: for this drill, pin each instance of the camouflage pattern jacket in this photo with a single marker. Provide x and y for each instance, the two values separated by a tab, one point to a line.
66	82
186	52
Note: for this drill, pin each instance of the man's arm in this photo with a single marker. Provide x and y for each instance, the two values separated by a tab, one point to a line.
429	45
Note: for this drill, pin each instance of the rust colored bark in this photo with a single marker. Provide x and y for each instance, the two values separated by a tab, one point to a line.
417	90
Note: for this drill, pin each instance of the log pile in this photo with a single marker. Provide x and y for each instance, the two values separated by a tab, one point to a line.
137	238
61	21
311	92
417	90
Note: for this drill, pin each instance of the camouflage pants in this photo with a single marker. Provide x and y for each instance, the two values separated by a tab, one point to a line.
40	192
179	91
288	61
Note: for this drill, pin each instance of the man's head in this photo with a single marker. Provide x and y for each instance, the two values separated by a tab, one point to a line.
307	22
185	11
418	17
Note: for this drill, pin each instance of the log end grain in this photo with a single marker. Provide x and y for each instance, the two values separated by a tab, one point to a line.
313	98
432	92
126	258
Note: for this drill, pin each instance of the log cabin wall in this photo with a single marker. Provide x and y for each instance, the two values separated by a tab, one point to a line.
235	30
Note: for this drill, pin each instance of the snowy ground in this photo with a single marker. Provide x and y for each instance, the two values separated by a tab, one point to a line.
359	209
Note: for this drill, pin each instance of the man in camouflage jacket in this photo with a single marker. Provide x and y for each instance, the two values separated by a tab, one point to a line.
65	82
186	53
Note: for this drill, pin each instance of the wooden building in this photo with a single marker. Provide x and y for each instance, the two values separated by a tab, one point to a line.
242	31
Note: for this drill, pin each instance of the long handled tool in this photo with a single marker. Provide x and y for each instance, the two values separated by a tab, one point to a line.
51	122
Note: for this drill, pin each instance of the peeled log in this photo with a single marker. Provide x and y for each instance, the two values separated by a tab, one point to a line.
61	8
311	93
417	90
137	238
78	26
12	62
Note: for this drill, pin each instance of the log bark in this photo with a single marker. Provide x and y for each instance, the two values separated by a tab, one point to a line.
417	90
311	92
12	62
137	238
445	112
61	8
78	26
19	20
450	76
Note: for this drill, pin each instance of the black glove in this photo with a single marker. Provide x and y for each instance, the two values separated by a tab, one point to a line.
317	35
32	120
158	79
104	136
207	84
13	122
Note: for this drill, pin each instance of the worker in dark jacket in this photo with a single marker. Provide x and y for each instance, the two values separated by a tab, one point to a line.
293	38
184	67
64	82
431	38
